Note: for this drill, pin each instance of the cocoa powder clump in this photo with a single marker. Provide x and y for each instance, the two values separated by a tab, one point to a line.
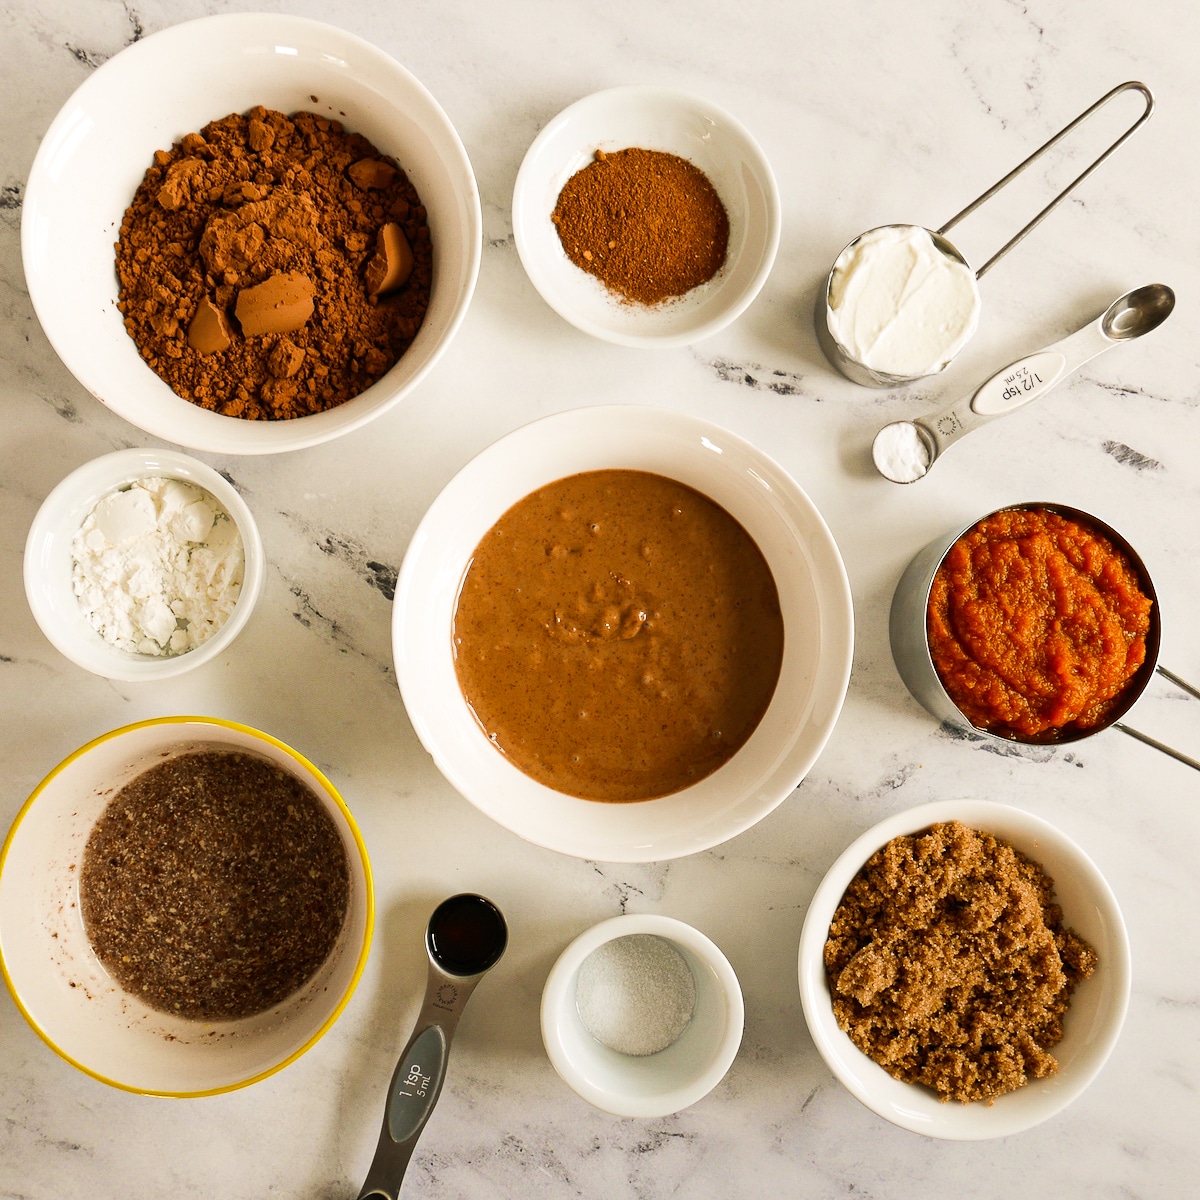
649	225
296	203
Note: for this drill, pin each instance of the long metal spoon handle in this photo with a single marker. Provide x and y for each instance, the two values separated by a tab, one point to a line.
1062	133
417	1082
1014	386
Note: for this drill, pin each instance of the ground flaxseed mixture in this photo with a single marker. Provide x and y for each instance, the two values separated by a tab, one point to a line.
272	267
214	885
949	964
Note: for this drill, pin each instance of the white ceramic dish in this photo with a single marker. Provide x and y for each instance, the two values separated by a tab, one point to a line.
48	560
172	83
657	1084
650	118
814	596
56	979
1092	1023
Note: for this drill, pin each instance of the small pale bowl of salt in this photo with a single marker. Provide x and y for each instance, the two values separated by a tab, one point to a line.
143	564
642	1015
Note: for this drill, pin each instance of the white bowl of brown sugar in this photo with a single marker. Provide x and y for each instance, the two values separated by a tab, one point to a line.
646	216
251	233
185	907
964	969
659	660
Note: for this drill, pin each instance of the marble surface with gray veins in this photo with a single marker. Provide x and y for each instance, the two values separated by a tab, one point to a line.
869	113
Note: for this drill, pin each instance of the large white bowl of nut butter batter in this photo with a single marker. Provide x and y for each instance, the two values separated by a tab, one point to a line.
814	599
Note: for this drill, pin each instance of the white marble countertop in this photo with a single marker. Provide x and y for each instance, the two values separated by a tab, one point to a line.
869	113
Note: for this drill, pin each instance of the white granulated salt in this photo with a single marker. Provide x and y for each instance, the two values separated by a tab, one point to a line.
157	567
635	994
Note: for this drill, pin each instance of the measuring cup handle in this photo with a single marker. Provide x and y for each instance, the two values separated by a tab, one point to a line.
1183	685
1131	85
1149	741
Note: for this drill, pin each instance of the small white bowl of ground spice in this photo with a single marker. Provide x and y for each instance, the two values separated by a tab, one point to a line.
646	216
964	969
186	906
143	564
251	233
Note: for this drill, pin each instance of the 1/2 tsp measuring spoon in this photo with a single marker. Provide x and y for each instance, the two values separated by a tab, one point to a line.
904	451
465	938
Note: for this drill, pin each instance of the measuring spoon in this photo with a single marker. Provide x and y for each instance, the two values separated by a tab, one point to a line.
904	451
465	939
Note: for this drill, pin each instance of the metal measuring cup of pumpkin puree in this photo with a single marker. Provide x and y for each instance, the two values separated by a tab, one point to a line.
845	359
909	635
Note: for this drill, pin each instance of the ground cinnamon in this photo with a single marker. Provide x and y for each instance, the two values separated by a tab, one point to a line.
649	225
250	265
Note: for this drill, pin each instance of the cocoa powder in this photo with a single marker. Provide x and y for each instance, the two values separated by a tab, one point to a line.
250	261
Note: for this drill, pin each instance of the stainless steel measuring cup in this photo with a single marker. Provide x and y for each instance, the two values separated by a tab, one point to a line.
908	632
843	357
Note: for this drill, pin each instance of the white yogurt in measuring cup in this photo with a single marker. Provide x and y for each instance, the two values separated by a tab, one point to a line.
899	304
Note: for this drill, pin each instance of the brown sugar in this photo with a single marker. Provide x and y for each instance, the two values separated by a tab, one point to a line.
949	964
244	261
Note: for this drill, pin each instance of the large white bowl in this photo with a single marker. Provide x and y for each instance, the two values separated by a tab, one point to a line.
59	984
172	83
649	118
48	563
813	593
653	1085
1093	1021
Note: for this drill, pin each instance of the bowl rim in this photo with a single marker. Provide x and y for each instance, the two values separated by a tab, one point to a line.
301	432
829	683
368	884
814	994
667	95
121	467
555	996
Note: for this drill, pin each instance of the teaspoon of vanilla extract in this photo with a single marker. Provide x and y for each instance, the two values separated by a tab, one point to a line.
904	451
465	938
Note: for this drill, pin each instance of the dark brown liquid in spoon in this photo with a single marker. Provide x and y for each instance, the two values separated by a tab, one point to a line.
466	934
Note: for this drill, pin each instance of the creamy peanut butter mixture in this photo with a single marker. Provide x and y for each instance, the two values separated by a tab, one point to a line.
618	635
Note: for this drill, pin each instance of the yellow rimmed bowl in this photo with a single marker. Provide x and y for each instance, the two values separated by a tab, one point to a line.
57	981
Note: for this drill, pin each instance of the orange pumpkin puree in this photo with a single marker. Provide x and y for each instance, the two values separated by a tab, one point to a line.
1036	624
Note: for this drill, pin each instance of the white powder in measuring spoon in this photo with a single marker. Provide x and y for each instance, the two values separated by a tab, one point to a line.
635	994
157	567
900	452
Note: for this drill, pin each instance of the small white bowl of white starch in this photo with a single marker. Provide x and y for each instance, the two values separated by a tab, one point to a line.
642	1015
143	564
